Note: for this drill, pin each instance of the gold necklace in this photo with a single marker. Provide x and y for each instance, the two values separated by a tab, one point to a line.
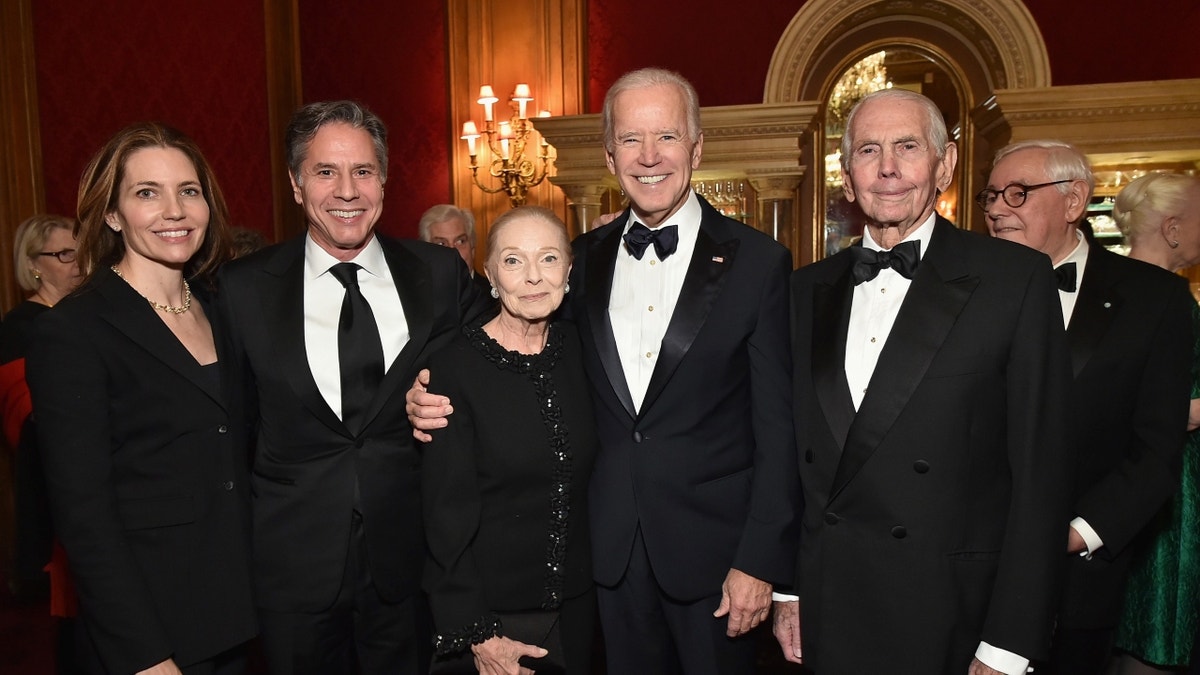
187	296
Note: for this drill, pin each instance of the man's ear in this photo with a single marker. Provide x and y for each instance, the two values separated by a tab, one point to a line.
1077	201
296	194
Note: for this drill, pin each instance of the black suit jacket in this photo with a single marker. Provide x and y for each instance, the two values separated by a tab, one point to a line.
306	462
933	516
1131	346
707	467
146	466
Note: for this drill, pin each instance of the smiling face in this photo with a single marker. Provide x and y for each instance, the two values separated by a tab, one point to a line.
1046	221
161	212
58	278
652	154
340	187
893	170
528	266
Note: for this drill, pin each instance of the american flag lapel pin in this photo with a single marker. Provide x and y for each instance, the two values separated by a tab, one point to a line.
718	259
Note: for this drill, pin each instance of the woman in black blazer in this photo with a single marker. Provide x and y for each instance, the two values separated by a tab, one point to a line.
141	431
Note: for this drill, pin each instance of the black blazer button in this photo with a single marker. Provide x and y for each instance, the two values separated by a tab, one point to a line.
808	456
358	443
228	485
637	437
832	518
899	532
921	466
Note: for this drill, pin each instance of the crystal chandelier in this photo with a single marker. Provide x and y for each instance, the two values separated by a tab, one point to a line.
864	77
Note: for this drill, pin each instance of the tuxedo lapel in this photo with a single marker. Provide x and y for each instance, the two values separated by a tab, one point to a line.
830	323
601	263
281	281
714	255
1095	309
931	307
130	314
411	276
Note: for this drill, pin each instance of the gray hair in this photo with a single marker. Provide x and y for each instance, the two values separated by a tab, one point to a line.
643	79
1063	162
540	213
440	214
308	120
1145	203
935	127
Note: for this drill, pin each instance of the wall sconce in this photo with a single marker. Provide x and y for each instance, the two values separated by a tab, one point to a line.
506	142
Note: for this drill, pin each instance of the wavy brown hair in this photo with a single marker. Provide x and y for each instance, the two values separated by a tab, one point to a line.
101	247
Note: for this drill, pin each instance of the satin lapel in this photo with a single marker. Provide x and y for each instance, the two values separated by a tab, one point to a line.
601	263
412	278
1095	309
281	281
830	322
712	258
931	307
130	314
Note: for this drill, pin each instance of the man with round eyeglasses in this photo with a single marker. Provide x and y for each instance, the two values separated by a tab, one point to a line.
1128	329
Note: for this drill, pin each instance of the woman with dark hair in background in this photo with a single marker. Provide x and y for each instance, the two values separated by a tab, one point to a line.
139	424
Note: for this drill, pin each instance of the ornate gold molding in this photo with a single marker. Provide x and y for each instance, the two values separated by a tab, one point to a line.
1114	123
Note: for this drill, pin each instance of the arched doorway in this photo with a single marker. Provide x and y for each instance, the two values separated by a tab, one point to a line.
971	47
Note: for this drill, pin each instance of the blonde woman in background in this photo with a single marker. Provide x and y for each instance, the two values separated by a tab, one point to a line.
1160	216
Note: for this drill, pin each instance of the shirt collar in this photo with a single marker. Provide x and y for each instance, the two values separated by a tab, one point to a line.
1078	255
687	217
317	260
921	234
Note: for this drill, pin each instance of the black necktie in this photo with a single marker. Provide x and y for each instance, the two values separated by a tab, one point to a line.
665	239
1065	274
903	258
360	351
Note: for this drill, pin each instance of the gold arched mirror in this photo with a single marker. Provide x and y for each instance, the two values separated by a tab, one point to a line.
898	66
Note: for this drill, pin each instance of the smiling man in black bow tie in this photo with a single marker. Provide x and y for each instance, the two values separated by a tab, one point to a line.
930	388
683	317
1129	331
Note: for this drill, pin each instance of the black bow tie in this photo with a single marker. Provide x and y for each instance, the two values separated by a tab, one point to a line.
903	258
1065	274
665	239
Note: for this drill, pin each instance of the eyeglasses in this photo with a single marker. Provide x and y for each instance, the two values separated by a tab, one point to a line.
67	255
1014	195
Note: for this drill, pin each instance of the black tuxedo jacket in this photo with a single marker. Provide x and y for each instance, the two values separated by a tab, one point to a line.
146	465
707	467
934	514
306	463
1131	347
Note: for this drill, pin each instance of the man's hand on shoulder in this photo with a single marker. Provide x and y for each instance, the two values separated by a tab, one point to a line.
787	630
746	600
426	411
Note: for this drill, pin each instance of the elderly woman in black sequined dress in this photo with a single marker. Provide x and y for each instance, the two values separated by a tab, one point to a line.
505	485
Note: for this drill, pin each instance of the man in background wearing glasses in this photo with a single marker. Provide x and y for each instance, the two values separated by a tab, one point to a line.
1130	337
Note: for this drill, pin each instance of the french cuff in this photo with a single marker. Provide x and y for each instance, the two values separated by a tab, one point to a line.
784	597
1093	540
1001	660
452	642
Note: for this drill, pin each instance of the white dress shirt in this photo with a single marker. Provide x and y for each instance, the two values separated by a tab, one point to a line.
643	297
323	295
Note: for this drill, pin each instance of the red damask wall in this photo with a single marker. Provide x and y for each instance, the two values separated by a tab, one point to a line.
391	57
724	48
198	67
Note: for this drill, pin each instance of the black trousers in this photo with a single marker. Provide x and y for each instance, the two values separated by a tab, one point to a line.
649	633
360	633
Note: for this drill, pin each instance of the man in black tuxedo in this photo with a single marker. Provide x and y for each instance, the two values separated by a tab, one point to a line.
930	399
448	225
331	326
1130	337
683	317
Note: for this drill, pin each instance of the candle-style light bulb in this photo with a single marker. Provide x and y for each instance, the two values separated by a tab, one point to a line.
469	134
487	97
522	96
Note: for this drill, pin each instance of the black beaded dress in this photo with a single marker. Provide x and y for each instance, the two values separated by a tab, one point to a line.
505	490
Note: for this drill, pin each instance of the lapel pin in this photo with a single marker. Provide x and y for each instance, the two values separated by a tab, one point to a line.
1107	305
718	259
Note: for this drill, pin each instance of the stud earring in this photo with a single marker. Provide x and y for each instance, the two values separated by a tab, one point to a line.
567	288
1175	244
37	275
495	293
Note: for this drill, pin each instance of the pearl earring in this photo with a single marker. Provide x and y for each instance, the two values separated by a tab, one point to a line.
495	293
567	288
